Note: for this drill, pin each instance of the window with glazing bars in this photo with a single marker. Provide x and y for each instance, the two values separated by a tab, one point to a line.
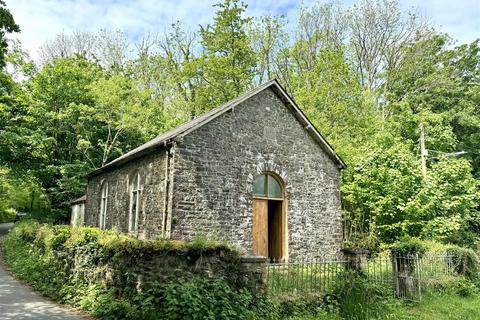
103	206
266	185
135	190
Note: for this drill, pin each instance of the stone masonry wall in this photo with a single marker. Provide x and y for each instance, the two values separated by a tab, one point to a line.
125	271
215	167
144	267
152	173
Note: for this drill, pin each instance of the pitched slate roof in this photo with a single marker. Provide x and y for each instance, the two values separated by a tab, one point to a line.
163	139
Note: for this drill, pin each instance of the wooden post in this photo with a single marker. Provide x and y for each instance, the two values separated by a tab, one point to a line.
423	151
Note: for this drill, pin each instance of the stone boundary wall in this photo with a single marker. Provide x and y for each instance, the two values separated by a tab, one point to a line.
125	272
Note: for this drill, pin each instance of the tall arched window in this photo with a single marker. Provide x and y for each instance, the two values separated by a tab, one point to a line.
103	205
135	190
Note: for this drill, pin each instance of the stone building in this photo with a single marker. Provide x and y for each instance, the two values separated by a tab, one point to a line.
254	172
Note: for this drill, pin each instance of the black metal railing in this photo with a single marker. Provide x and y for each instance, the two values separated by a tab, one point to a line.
407	275
307	276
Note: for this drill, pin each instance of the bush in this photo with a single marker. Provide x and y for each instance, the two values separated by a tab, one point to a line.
465	262
6	215
459	286
42	271
202	298
302	305
450	229
364	241
462	287
73	265
25	230
408	246
358	299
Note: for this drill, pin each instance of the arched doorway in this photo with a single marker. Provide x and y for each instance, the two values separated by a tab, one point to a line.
269	221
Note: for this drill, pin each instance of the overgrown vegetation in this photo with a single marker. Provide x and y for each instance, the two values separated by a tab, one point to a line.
81	106
445	306
359	299
466	262
73	266
92	269
354	298
407	246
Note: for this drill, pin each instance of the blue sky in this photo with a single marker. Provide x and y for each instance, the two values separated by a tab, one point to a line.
41	20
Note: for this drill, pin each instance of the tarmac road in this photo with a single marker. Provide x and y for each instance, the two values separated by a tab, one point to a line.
19	301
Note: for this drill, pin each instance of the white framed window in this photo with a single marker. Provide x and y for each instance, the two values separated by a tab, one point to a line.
135	191
103	206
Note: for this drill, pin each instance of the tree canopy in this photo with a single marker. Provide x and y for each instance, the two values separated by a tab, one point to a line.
366	76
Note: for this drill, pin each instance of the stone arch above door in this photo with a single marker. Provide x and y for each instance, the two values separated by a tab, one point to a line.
268	166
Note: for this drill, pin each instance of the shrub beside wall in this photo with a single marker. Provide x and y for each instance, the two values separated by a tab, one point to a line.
6	215
465	262
117	276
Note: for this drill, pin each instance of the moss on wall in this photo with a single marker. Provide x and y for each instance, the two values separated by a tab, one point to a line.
82	266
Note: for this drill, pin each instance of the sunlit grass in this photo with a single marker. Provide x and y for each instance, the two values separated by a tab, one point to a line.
433	307
440	307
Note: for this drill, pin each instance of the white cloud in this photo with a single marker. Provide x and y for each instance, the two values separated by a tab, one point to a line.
41	20
459	18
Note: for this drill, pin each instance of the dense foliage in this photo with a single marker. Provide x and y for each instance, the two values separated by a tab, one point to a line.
68	265
359	299
366	76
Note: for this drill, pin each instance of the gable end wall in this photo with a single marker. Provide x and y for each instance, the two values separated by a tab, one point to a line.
216	164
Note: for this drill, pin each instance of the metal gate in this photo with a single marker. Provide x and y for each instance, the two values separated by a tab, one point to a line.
407	276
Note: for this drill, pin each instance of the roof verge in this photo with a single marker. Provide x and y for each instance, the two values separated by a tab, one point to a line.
165	138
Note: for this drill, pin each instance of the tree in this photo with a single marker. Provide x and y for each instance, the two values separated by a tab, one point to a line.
267	37
125	113
439	86
228	62
378	189
20	193
183	77
59	94
320	27
86	115
336	103
447	204
67	46
7	25
109	48
379	32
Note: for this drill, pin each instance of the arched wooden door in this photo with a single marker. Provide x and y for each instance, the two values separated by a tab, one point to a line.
269	221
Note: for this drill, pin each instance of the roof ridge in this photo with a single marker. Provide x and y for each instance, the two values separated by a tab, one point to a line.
185	128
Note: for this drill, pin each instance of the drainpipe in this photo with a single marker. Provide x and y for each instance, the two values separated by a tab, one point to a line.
167	203
165	188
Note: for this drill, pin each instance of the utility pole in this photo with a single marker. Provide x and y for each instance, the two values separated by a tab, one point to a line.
423	151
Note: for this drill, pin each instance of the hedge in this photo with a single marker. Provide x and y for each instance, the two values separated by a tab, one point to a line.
117	276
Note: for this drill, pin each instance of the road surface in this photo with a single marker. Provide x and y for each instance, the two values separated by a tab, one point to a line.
18	301
4	227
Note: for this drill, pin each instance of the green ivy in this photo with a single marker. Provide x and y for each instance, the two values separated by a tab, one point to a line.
465	261
61	262
408	246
